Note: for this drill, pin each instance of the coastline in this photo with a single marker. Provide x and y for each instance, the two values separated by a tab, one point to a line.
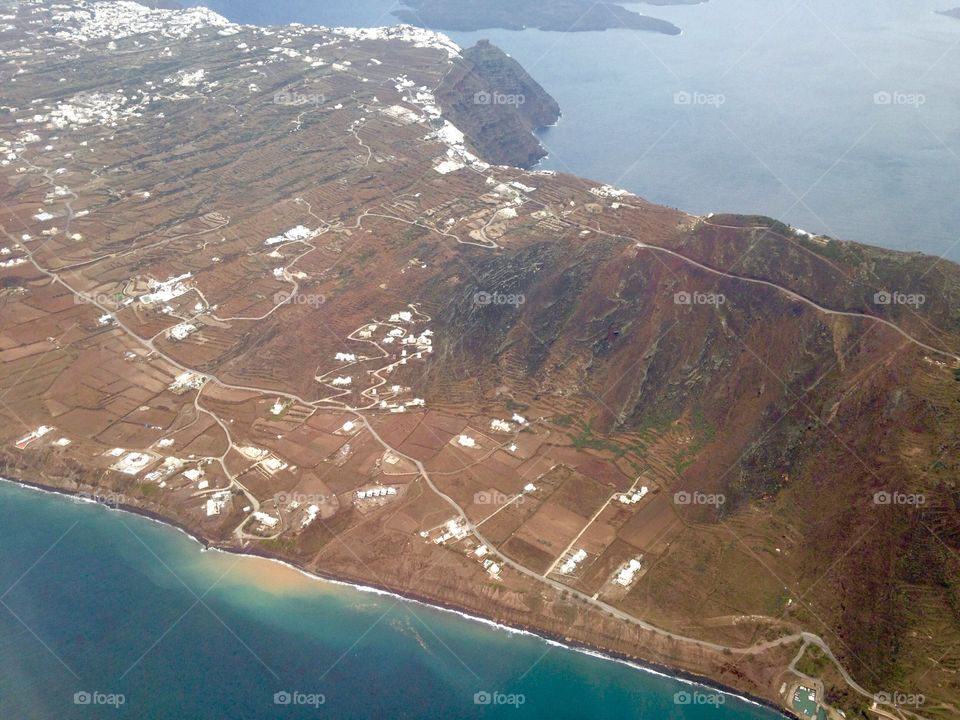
365	586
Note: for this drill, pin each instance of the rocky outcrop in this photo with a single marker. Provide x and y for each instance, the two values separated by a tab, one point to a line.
497	105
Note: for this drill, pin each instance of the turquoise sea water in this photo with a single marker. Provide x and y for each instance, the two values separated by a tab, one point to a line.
99	601
799	134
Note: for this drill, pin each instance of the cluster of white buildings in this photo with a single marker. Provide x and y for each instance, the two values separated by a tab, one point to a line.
194	474
169	467
119	20
376	493
33	435
186	381
609	191
311	515
273	464
292	235
628	573
162	292
181	331
217	502
634	497
492	568
423	341
265	520
131	463
455	529
415	402
570	564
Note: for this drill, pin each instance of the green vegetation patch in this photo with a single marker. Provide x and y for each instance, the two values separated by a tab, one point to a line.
586	439
814	662
703	434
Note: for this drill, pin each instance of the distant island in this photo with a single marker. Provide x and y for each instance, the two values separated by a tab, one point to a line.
954	13
557	15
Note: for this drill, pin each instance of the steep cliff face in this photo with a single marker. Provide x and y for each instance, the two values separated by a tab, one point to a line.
496	103
508	77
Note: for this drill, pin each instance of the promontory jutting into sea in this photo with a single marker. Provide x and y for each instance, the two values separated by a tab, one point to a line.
834	117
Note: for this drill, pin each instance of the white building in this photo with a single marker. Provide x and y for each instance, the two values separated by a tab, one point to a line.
267	520
627	573
181	331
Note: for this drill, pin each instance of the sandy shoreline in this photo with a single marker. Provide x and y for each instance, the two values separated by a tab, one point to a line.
425	601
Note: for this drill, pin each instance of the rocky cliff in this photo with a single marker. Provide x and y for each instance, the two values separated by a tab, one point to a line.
495	102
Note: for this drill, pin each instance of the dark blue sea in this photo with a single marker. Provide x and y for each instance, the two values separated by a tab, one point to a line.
837	117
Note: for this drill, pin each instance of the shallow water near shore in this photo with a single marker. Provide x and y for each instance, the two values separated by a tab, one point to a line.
101	601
